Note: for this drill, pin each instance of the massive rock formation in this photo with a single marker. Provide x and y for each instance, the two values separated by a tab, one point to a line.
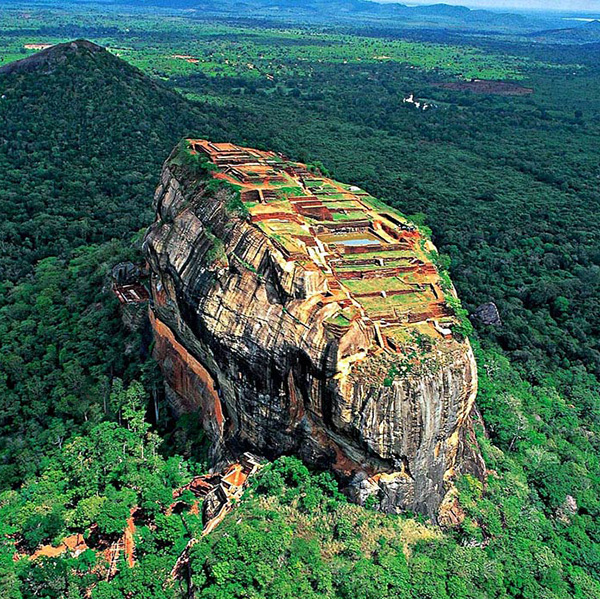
299	315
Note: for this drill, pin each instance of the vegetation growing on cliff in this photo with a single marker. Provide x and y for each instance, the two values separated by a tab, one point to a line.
216	251
236	206
197	164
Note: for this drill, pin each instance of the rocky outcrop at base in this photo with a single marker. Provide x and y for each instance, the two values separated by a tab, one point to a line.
488	314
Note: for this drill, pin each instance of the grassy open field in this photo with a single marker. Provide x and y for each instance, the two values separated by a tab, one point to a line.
168	44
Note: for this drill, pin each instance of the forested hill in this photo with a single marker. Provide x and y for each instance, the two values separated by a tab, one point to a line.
78	105
82	138
49	59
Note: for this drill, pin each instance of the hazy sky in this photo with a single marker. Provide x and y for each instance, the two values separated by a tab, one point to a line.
569	5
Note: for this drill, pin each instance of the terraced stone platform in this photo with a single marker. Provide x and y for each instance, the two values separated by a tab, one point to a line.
377	263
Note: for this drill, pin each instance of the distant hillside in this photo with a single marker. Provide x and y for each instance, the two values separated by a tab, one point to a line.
343	10
97	131
583	33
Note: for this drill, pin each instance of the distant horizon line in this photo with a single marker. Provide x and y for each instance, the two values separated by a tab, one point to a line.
592	13
536	9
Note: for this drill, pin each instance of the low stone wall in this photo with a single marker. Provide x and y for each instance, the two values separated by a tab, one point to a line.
378	273
387	293
257	218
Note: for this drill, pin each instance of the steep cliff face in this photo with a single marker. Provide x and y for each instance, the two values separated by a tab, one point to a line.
298	315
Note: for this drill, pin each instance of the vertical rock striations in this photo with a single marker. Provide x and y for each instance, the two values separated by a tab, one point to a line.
299	315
